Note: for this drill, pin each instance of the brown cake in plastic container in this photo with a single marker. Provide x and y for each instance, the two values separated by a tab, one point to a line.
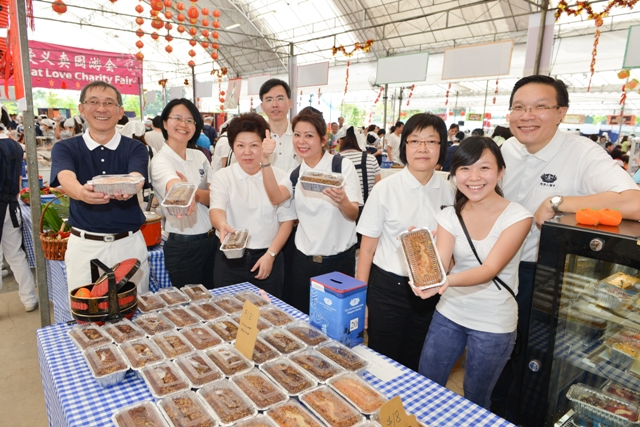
226	328
116	184
123	330
201	336
141	352
227	401
229	360
263	352
263	392
107	364
425	269
139	415
257	421
198	368
252	297
234	244
163	379
282	341
150	302
228	303
173	296
331	408
358	392
197	292
319	181
180	316
206	310
292	414
87	336
275	316
290	376
316	364
343	356
262	324
185	409
172	344
306	333
153	323
179	198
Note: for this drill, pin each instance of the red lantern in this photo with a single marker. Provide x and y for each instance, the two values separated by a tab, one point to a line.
157	23
193	31
168	14
155	35
216	13
462	113
205	11
222	108
156	5
167	3
168	38
180	29
192	53
139	21
193	13
204	45
139	56
215	45
139	8
192	42
222	93
215	35
63	85
204	22
168	48
139	33
180	17
216	24
168	25
180	6
113	1
191	64
139	44
154	13
205	33
214	56
450	113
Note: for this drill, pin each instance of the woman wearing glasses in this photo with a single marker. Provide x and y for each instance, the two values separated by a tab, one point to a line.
190	247
398	320
326	236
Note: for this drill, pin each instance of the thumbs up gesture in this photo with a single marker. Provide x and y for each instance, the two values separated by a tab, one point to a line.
268	147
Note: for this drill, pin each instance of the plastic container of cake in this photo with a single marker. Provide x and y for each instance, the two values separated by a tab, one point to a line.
289	375
624	347
252	297
180	316
425	268
139	414
235	243
197	292
185	409
262	391
172	344
206	310
621	392
150	302
173	296
275	316
306	333
259	420
327	405
610	295
88	336
263	352
228	303
589	403
141	352
343	356
107	365
292	414
320	181
282	340
229	360
201	336
263	325
123	330
228	403
116	184
154	323
317	365
358	392
164	379
226	328
179	198
198	368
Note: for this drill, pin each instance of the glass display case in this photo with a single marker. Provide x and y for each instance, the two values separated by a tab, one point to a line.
583	352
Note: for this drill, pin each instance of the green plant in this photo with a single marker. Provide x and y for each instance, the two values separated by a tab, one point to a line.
52	218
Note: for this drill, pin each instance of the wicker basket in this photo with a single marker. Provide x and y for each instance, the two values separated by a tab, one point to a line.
54	249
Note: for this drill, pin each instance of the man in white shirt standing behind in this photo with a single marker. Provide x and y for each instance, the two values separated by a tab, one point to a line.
550	172
393	144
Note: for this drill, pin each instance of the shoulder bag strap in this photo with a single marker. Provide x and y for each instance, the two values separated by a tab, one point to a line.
365	177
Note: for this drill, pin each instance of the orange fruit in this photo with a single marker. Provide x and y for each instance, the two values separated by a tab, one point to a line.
83	293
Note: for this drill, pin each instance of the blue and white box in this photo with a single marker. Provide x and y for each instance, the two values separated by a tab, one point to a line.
337	307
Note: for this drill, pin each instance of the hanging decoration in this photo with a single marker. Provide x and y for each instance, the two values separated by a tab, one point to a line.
319	95
219	74
410	94
139	32
59	7
300	100
598	17
446	96
379	94
346	80
495	92
365	47
251	105
186	81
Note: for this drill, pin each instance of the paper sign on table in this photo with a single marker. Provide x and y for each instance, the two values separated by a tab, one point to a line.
248	330
392	414
378	366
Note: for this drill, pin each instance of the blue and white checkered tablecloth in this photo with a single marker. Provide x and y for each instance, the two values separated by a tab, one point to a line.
74	398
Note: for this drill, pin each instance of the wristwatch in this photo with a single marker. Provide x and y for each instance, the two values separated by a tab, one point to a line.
273	254
555	203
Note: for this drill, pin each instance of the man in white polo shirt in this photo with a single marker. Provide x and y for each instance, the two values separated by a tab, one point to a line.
552	172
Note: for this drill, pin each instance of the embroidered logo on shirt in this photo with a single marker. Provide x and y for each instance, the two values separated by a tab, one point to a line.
548	180
201	172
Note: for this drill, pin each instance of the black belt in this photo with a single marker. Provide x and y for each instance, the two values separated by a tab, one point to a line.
391	275
327	258
191	237
106	238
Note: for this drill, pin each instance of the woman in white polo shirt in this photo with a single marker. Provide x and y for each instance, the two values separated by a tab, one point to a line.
190	248
326	235
239	200
398	320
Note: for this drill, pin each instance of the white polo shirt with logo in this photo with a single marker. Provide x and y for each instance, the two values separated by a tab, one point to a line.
284	156
569	165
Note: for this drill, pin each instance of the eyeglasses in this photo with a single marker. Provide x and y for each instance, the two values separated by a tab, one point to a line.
278	99
416	143
179	119
94	103
538	109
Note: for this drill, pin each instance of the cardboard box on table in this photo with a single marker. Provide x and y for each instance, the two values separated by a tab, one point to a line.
337	307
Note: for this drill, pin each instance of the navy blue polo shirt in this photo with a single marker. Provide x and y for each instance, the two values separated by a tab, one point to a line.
116	216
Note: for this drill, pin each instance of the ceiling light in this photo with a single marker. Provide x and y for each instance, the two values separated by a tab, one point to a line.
231	27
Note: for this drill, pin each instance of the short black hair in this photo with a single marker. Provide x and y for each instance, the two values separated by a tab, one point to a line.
349	141
157	122
398	124
608	144
248	122
460	136
421	121
562	95
477	132
371	128
454	126
123	120
271	83
194	112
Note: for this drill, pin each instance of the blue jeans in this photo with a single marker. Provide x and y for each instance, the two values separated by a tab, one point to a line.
487	353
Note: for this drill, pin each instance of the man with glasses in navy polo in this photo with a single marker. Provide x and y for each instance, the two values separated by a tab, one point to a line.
102	227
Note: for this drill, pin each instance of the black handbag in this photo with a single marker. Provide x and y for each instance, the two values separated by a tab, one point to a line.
518	347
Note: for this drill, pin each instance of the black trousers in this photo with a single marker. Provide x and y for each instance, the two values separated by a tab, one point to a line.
304	268
288	251
190	262
398	320
231	271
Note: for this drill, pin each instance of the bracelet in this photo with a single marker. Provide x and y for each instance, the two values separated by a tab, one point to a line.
265	165
273	254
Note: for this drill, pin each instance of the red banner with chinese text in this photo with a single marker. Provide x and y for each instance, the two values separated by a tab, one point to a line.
13	38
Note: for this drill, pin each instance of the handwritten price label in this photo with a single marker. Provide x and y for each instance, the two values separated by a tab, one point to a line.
392	414
248	330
